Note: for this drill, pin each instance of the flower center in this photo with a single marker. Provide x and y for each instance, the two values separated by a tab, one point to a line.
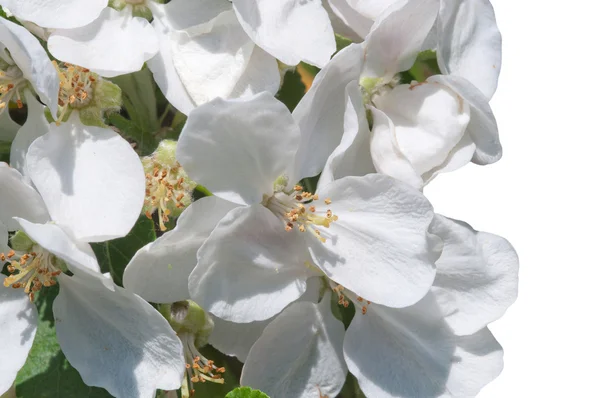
11	82
198	367
167	189
76	87
300	209
31	271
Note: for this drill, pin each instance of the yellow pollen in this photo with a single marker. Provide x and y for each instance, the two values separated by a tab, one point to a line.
31	272
76	87
198	368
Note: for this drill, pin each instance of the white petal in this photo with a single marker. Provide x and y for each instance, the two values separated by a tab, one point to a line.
183	14
116	340
35	126
430	120
249	268
359	23
397	37
80	257
3	238
299	354
159	271
114	44
373	8
164	72
261	74
459	156
90	178
387	156
56	13
19	199
280	27
320	113
238	148
469	43
8	127
236	339
379	247
482	128
211	58
476	277
352	157
18	322
32	60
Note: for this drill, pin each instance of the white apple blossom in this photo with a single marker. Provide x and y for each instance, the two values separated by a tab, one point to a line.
438	347
418	129
111	336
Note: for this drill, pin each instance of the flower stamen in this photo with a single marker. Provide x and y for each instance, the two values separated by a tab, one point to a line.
32	271
199	369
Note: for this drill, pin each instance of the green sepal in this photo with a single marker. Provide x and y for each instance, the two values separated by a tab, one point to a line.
141	11
117	4
107	96
92	116
21	242
246	392
188	317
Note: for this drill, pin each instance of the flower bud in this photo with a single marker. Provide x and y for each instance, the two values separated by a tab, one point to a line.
188	317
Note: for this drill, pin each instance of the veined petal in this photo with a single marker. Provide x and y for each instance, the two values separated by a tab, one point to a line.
482	128
469	43
115	339
31	58
238	148
90	178
379	247
248	270
19	199
320	113
80	257
159	271
429	119
299	354
113	44
387	156
352	157
210	58
18	322
58	14
397	37
35	126
477	275
280	27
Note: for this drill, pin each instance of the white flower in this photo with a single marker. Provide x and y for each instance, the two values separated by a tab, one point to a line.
56	13
419	129
112	337
439	347
23	64
211	49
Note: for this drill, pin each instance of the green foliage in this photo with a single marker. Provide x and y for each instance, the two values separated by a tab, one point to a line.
246	392
292	90
47	373
114	255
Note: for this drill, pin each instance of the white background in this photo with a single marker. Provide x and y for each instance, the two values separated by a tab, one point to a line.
543	196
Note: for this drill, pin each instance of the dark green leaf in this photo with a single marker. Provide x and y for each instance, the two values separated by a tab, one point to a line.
292	90
146	144
114	255
246	392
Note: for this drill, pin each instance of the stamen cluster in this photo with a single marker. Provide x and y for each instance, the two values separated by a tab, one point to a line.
31	271
11	81
76	87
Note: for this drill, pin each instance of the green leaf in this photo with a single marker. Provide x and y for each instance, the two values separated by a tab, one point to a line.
292	89
114	255
246	392
146	144
341	42
47	373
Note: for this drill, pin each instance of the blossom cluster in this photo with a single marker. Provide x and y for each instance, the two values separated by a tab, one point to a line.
296	238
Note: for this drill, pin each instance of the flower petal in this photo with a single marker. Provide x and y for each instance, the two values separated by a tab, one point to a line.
19	199
352	157
469	44
387	156
18	322
3	238
58	14
32	60
90	178
320	113
482	128
249	268
280	27
357	22
299	354
8	127
113	44
477	271
261	74
115	339
238	148
183	14
210	58
397	37
429	119
159	271
379	247
236	339
80	257
35	126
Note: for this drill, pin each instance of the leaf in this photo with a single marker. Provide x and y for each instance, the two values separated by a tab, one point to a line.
114	255
292	90
246	392
47	373
145	142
